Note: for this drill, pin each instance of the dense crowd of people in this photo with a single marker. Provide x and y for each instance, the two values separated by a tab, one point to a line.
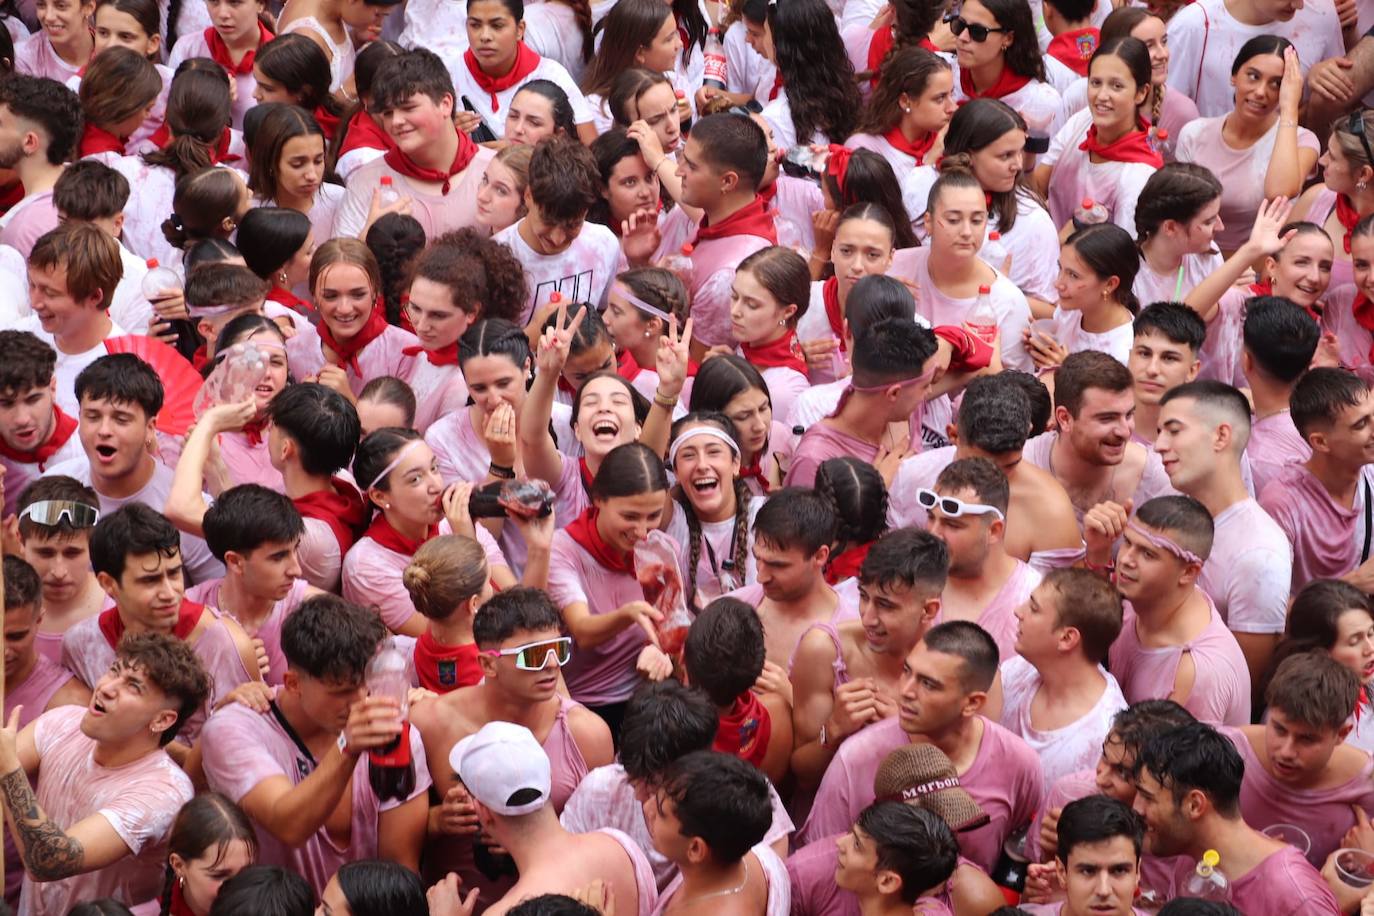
614	457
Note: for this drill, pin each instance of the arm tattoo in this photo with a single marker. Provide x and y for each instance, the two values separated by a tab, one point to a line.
49	854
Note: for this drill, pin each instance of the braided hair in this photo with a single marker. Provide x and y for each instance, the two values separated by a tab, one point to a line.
1176	192
740	538
856	492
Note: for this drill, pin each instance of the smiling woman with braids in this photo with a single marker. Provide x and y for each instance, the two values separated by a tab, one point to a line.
819	100
855	490
712	512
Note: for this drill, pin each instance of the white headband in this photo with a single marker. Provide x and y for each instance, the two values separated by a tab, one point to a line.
624	292
708	431
400	456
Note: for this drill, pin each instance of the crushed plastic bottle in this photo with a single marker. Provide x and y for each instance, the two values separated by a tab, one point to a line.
1207	881
233	379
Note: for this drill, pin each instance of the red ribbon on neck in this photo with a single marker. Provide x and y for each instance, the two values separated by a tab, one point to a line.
347	352
96	139
112	625
1007	83
219	51
785	352
754	218
754	469
917	150
526	59
444	356
583	531
381	531
409	168
1348	216
62	428
777	86
845	565
1132	147
341	508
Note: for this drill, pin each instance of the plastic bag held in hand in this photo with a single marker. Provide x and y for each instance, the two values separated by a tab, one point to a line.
656	568
233	380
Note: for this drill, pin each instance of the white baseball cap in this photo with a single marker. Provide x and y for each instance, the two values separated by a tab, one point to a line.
500	760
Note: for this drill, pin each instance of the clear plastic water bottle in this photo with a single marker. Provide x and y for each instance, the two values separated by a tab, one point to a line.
1089	213
233	379
983	319
716	65
1207	881
994	253
157	279
387	194
391	770
680	263
803	158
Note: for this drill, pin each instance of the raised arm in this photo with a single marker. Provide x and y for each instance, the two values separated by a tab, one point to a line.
1289	164
537	448
671	362
1264	240
185	506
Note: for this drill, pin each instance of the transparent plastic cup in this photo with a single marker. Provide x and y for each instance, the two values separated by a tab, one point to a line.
1291	834
1355	867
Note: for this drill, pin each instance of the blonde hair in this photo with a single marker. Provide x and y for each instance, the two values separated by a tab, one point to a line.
345	251
445	572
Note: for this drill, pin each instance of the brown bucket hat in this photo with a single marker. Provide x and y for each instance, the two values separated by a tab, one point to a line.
921	774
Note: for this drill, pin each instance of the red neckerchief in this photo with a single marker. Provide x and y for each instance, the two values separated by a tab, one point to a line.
566	386
348	353
1262	288
112	625
363	133
442	668
744	730
219	51
878	46
1133	147
1363	311
830	295
444	356
1348	216
1007	83
627	367
96	139
11	197
916	150
200	358
406	166
178	906
777	86
584	470
62	428
290	300
770	195
845	565
785	352
755	470
753	218
583	531
1362	702
381	531
329	123
1074	49
340	507
252	431
526	59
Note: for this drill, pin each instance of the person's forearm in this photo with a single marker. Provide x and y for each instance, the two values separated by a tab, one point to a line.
296	815
810	761
591	630
1283	178
185	506
536	574
48	853
658	426
535	442
1204	297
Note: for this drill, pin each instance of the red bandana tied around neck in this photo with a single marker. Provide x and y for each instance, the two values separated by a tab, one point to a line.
1348	216
830	294
845	565
219	51
915	150
340	507
754	218
1363	311
112	625
442	668
329	123
755	470
627	367
381	531
526	59
1133	147
583	531
444	356
777	86
785	352
62	428
364	133
96	139
744	730
11	197
252	431
177	906
1007	83
347	353
837	164
584	470
290	300
880	44
407	167
1074	49
1262	288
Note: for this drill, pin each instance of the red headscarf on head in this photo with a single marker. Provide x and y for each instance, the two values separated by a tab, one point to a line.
838	164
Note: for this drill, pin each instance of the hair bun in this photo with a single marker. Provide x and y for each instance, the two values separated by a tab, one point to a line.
955	162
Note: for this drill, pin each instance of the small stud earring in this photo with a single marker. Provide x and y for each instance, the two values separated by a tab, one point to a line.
1360	185
906	110
782	324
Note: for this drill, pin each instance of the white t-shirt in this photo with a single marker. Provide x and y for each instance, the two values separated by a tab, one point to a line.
580	274
1207	27
495	117
1116	185
1249	571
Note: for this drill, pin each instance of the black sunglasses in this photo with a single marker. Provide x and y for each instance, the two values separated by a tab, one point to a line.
1356	126
978	33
